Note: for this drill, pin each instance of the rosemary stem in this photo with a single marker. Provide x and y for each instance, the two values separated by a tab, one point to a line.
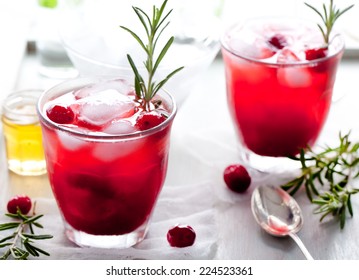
150	70
17	233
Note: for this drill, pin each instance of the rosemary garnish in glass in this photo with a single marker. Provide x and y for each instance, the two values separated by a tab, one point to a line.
329	16
333	170
20	243
154	27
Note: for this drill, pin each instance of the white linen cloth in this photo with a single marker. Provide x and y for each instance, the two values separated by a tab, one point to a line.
190	205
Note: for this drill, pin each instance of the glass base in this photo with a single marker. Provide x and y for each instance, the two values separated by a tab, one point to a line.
83	239
27	167
268	164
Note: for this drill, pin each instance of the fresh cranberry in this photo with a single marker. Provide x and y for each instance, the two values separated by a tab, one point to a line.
278	41
21	202
237	178
148	120
60	114
312	54
181	236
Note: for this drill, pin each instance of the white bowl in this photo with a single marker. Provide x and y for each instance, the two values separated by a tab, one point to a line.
97	45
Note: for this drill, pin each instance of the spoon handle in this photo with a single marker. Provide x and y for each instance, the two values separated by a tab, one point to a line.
301	246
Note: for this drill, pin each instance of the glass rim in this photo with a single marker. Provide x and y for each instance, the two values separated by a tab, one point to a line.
105	137
224	43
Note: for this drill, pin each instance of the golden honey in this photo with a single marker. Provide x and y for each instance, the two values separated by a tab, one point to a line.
22	134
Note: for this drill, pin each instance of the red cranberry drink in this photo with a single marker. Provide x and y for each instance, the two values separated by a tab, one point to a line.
280	81
106	158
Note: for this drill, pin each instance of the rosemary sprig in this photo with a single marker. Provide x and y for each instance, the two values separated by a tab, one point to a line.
20	243
329	16
154	27
333	170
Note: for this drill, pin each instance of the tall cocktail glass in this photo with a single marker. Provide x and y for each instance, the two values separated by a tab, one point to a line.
279	81
106	168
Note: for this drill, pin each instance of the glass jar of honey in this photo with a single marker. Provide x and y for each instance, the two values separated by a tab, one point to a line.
22	133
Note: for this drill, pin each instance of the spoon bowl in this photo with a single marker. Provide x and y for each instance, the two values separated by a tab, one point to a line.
278	214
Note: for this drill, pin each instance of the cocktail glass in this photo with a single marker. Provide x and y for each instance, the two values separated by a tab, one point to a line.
105	174
279	81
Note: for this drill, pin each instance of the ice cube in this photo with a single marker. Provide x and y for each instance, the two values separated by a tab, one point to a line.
262	49
119	127
101	114
69	142
310	38
119	85
101	108
294	77
258	49
287	55
111	151
82	93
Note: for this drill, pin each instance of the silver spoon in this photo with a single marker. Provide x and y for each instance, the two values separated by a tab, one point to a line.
278	214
